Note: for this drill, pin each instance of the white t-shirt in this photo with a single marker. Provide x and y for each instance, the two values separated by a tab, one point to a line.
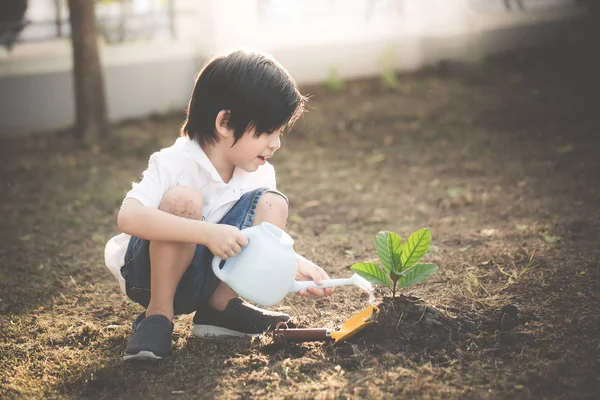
186	164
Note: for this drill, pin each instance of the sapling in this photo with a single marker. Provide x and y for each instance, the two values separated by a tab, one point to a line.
399	261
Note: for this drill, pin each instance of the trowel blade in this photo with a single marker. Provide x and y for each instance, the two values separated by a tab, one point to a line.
356	323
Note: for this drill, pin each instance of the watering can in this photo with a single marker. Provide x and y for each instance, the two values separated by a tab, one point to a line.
264	272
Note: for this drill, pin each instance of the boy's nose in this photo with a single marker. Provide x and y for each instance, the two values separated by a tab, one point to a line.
275	144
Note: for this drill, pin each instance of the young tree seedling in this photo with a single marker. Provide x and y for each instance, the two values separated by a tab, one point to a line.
399	261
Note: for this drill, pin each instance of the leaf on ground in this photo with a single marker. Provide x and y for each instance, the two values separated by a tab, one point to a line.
434	249
463	249
565	149
295	218
455	192
376	158
96	237
113	326
551	239
521	227
309	204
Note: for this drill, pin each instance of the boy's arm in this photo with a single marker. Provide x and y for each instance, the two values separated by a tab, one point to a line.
152	224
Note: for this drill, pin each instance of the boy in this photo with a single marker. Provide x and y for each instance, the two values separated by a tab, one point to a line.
196	196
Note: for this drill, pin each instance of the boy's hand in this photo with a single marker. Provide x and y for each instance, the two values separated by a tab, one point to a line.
309	271
225	241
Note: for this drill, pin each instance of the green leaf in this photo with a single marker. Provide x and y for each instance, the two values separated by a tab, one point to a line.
417	274
389	248
383	250
415	247
371	272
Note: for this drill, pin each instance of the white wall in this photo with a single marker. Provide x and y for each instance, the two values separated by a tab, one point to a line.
309	37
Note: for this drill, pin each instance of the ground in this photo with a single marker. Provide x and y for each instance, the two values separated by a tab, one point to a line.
501	161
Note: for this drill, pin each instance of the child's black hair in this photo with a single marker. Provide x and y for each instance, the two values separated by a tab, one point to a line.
257	91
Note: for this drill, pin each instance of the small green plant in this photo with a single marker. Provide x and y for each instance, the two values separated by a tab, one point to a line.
477	60
334	81
399	260
387	60
514	275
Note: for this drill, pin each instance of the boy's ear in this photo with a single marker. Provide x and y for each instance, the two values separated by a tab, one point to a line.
222	124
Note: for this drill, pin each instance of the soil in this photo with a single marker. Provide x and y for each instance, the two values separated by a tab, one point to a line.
500	161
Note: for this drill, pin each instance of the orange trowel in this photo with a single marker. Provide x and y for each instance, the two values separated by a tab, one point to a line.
348	329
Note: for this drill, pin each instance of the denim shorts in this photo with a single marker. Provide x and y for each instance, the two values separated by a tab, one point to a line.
198	282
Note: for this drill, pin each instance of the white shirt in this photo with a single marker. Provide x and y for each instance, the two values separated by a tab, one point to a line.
186	164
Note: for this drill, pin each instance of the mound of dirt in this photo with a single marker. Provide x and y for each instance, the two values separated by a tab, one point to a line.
412	330
408	326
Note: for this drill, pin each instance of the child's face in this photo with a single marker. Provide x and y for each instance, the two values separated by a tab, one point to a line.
251	152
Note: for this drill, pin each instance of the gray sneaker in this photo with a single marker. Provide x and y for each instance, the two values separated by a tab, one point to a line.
137	321
151	339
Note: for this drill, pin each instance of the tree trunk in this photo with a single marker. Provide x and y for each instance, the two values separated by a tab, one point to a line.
90	100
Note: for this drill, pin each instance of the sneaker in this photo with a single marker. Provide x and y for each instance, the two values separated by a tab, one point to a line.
239	319
137	321
151	339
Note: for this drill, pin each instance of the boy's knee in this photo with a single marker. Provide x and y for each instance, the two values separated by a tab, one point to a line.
183	201
273	207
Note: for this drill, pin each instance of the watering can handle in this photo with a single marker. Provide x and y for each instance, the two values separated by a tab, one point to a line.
222	273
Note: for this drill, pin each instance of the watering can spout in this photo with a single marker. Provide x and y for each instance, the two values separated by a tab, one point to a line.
353	280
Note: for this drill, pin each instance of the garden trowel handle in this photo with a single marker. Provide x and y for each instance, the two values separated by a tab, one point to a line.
303	334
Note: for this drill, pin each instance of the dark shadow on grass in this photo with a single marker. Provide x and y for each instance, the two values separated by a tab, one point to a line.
193	370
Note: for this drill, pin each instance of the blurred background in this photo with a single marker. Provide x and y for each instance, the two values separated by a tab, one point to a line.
150	50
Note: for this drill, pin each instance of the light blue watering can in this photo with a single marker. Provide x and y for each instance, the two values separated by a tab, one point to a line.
264	272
